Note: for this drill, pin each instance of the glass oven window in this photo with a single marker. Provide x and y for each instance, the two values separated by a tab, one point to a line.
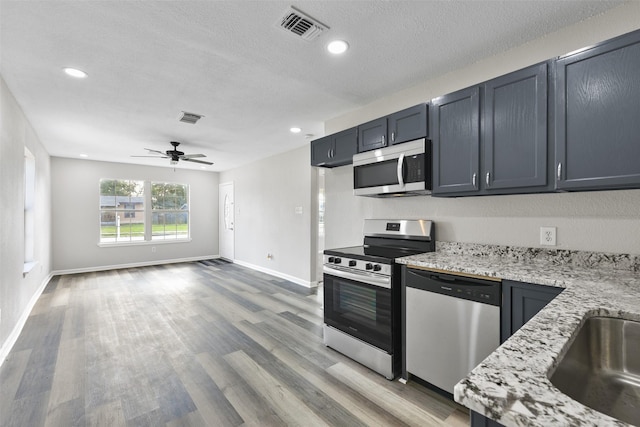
361	310
358	304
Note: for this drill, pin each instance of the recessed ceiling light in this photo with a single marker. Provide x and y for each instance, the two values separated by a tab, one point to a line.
337	47
84	155
74	72
203	167
295	130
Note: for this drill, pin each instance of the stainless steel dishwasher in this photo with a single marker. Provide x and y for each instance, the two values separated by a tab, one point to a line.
452	324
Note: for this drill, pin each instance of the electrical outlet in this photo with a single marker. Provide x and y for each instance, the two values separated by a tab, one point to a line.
548	236
153	249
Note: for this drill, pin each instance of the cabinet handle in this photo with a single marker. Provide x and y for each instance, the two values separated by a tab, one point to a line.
487	178
393	136
559	171
475	175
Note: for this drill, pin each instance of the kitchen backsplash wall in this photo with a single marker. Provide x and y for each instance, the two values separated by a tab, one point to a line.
602	221
607	221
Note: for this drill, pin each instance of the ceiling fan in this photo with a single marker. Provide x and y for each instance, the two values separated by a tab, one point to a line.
176	155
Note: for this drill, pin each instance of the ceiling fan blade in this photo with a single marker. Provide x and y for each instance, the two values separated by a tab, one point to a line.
155	151
197	161
156	157
191	156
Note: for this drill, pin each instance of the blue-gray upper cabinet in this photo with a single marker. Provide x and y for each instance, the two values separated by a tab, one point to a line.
408	124
493	138
598	116
335	150
515	131
399	127
455	135
372	135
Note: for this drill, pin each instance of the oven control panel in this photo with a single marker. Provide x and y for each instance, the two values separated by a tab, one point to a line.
356	264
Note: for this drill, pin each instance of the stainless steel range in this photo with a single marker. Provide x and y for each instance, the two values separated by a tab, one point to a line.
362	292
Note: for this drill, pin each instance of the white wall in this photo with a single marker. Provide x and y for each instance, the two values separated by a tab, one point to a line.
266	195
607	221
75	210
18	293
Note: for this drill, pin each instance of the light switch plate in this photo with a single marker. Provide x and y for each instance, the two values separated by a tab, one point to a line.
548	236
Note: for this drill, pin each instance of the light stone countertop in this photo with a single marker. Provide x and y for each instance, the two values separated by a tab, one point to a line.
511	385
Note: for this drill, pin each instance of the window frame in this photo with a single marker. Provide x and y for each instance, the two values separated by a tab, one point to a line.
144	214
29	218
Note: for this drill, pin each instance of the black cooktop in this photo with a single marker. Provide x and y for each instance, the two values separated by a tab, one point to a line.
379	254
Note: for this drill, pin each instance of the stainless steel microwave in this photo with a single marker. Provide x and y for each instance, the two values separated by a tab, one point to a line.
398	170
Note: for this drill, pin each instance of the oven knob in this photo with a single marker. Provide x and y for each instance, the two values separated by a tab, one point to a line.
377	267
337	260
369	266
352	263
331	259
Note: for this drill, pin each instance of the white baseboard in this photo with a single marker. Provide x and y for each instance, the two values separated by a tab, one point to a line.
8	344
133	265
275	273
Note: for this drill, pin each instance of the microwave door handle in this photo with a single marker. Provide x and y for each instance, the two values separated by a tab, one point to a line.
400	170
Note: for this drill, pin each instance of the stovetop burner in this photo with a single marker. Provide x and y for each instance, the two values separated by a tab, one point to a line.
379	254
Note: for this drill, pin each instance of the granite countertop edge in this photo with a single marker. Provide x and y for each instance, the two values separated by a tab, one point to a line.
511	385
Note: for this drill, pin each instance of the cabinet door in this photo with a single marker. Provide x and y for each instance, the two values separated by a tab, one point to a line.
372	135
515	130
408	124
478	420
522	301
345	145
321	150
455	132
597	120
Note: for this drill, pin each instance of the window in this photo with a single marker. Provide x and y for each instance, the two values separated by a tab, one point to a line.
29	212
170	211
125	215
121	211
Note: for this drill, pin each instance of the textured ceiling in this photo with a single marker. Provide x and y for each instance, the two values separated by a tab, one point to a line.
227	60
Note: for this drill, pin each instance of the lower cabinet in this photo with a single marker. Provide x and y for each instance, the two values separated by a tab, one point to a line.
520	302
478	420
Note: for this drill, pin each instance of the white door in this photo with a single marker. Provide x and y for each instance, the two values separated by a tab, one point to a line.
227	224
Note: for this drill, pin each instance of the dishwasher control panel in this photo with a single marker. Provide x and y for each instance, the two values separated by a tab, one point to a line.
468	288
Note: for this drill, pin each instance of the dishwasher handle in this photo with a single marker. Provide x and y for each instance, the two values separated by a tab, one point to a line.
468	288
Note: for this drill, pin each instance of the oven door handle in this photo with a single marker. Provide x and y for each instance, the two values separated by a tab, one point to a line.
370	279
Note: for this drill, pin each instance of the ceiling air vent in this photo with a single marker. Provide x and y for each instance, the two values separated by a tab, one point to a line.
295	22
189	117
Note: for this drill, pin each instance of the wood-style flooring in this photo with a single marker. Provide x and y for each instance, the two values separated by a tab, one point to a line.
205	343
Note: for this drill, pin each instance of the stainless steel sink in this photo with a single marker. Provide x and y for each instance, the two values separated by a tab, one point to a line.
602	368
